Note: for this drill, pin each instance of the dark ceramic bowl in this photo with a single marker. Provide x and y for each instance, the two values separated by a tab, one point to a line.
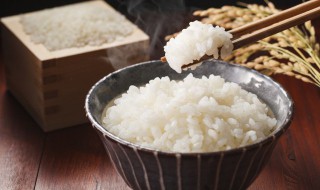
144	168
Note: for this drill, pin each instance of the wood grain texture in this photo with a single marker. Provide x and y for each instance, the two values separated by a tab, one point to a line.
55	83
12	23
21	143
295	163
75	159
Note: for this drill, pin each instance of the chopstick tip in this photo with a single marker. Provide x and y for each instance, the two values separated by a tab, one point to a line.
163	59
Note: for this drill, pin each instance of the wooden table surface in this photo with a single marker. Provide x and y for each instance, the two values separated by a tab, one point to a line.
74	158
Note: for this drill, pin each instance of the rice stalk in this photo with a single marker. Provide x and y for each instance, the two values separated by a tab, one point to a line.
293	52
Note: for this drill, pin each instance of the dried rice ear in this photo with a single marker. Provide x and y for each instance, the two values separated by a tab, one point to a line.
296	45
168	37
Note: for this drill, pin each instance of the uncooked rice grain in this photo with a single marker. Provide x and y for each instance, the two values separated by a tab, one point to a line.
192	115
75	26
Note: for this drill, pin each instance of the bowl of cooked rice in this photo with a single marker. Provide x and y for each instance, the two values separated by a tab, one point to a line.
214	127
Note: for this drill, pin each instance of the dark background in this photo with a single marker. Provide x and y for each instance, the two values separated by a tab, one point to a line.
12	7
150	15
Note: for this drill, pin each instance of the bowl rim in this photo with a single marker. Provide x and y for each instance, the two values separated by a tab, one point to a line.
274	136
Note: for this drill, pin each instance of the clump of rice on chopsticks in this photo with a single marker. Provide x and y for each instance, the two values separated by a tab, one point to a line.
195	42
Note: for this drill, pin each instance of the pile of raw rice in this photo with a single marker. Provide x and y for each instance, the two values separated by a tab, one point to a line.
192	115
196	41
75	25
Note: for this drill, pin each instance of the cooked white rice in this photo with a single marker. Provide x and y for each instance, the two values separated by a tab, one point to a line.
196	41
75	26
193	115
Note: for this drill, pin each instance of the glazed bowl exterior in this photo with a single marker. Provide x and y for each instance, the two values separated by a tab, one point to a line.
144	168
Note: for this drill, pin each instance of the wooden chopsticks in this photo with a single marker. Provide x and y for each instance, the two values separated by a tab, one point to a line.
275	23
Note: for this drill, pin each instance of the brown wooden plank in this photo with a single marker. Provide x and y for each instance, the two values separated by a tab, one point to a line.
306	133
21	143
74	158
295	162
69	72
14	25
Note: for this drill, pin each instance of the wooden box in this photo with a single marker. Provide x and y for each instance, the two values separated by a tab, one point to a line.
52	85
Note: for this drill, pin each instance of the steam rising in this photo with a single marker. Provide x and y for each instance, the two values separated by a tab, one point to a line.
153	16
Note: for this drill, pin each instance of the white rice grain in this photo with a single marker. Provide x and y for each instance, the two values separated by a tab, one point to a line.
192	115
75	25
196	41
